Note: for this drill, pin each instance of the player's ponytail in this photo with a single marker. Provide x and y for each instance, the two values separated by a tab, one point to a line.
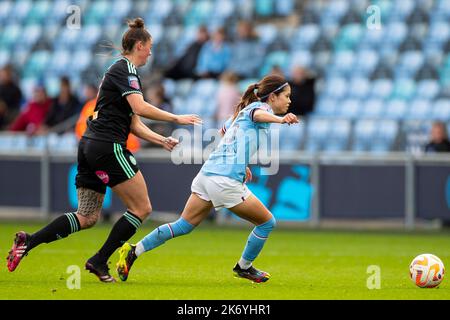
260	91
136	32
248	97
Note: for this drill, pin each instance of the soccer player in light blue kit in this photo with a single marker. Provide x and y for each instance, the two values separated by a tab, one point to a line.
221	181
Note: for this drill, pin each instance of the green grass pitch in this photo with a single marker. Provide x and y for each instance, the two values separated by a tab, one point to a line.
304	264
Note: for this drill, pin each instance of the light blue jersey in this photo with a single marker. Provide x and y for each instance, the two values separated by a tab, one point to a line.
240	142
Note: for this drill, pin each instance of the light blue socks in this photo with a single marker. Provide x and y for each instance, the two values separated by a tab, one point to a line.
163	233
255	243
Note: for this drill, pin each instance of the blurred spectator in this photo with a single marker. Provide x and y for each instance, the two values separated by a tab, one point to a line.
228	96
156	95
90	91
276	70
64	106
439	138
303	94
10	96
34	113
246	52
184	66
214	56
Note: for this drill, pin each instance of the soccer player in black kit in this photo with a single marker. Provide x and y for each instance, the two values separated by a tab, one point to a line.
103	159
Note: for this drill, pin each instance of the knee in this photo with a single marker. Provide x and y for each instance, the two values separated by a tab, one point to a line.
88	221
269	225
273	222
143	211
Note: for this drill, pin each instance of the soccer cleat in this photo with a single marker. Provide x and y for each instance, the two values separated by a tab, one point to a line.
127	256
251	273
18	250
100	270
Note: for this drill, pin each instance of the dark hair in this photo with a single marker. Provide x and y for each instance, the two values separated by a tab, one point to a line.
269	84
65	80
136	32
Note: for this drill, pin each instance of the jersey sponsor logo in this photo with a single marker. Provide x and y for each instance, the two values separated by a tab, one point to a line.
134	82
102	175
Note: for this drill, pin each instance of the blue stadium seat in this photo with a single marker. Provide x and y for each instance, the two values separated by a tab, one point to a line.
321	60
404	88
80	60
39	11
386	135
245	83
13	142
267	33
276	58
186	37
205	88
348	37
5	8
301	58
305	36
96	12
341	64
335	88
396	109
198	13
5	57
441	110
366	62
20	11
37	63
427	89
290	137
359	88
401	10
169	87
395	34
409	63
31	33
264	8
439	32
183	87
10	35
339	135
372	108
419	109
60	60
157	32
364	133
317	132
349	108
285	7
381	88
326	107
120	9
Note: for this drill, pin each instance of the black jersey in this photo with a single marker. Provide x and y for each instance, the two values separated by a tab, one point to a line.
112	115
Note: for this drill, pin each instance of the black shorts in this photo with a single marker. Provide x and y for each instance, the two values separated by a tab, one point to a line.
102	164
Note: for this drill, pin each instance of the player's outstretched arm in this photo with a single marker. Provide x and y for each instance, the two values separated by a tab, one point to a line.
264	116
146	110
139	129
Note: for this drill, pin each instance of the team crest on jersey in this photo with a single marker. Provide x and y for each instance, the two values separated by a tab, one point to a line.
133	82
